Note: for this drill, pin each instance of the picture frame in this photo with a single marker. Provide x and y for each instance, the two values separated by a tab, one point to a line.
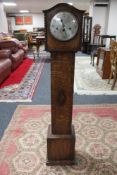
19	20
28	20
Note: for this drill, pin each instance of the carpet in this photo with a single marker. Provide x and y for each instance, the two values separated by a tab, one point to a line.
17	75
87	81
23	146
23	91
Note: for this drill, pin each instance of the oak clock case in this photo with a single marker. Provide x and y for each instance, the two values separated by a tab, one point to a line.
63	26
63	31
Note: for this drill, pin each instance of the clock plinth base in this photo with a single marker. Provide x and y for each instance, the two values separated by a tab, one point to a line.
60	148
60	162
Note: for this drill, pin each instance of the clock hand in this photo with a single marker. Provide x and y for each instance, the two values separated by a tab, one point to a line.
63	24
64	29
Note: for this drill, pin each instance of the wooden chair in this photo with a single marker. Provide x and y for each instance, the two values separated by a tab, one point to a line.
113	61
96	42
101	42
31	41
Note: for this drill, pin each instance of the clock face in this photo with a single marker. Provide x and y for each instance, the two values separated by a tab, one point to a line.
63	26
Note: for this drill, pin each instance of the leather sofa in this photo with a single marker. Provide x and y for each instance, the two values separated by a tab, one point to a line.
17	53
18	49
5	64
12	53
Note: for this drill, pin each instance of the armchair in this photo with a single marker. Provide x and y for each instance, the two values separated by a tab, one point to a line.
22	38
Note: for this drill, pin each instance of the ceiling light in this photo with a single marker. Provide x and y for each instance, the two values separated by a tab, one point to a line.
9	3
70	3
24	11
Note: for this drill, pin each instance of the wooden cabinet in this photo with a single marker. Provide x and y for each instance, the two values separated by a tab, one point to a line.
103	66
86	36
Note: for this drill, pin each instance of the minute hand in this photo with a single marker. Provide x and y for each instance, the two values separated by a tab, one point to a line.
62	24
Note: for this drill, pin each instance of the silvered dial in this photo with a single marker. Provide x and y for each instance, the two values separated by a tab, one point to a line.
63	26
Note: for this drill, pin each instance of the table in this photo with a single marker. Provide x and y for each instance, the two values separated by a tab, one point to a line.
39	40
103	66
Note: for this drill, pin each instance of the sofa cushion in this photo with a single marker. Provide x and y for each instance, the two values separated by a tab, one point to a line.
17	58
5	44
4	64
5	54
5	69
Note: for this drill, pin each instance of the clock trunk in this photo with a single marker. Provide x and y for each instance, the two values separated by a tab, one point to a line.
61	134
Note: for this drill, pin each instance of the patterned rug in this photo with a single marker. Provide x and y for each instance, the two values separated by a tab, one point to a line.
23	146
88	81
24	91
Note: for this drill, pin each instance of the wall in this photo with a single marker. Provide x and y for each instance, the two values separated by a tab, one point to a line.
112	19
91	8
3	20
38	21
100	17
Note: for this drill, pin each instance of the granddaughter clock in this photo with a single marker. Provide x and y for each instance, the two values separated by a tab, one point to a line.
63	28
